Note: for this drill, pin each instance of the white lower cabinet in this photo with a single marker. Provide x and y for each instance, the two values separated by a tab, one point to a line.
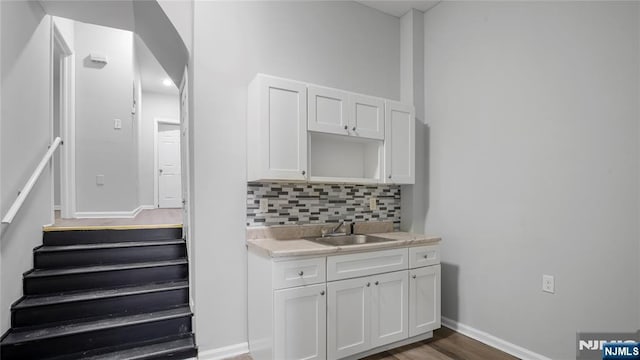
424	299
348	317
300	323
366	312
341	306
389	315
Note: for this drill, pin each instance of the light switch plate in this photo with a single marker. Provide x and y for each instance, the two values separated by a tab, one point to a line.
117	124
373	203
548	284
264	205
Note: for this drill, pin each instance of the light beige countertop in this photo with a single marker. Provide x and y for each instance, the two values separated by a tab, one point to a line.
289	242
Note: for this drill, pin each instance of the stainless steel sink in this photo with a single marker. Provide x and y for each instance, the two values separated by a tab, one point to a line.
346	240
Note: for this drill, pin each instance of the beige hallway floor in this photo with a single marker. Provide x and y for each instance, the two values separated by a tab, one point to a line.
145	217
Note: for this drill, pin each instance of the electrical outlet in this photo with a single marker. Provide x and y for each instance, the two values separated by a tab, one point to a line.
117	124
373	203
548	284
264	205
100	180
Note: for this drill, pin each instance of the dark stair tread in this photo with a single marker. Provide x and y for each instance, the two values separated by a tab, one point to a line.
38	273
17	336
147	351
56	248
75	296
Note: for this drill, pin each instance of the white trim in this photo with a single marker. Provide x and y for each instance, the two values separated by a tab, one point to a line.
112	214
67	123
492	341
156	121
56	207
224	352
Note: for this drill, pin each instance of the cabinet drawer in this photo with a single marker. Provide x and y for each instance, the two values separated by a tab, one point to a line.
368	263
298	272
424	256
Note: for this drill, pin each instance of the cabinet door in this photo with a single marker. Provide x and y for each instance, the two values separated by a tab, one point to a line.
348	317
389	313
399	144
283	134
367	117
300	323
328	110
424	300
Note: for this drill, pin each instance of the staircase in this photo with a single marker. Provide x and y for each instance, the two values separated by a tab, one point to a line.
104	294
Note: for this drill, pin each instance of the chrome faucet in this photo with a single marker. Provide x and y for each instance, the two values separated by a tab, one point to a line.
333	232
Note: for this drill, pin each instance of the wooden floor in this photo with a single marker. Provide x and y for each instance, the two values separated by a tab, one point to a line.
446	344
145	217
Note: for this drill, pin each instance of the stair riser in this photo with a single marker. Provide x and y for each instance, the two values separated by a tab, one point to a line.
85	281
97	339
131	304
102	236
184	354
58	259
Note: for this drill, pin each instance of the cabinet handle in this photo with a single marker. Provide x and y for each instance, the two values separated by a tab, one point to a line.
368	284
322	293
303	172
413	276
301	273
389	176
346	127
354	128
377	283
426	256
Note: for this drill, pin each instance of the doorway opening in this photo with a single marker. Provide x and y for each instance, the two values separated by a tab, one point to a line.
168	179
63	125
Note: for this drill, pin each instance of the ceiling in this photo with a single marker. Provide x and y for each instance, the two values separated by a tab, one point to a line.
151	72
400	7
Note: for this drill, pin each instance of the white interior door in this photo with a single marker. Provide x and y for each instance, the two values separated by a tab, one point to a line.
169	169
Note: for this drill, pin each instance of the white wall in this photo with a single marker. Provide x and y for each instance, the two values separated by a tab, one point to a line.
339	44
535	166
154	105
24	137
180	12
105	93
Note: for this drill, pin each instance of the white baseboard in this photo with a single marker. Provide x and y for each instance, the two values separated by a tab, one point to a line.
224	352
112	214
492	341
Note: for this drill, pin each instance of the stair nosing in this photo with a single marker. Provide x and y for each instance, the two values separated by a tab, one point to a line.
44	273
189	343
108	293
106	245
116	322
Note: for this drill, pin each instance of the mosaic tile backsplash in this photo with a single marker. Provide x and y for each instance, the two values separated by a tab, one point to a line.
297	204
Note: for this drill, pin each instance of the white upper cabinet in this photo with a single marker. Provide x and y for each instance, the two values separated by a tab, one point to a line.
277	129
367	117
328	110
303	132
340	112
399	144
